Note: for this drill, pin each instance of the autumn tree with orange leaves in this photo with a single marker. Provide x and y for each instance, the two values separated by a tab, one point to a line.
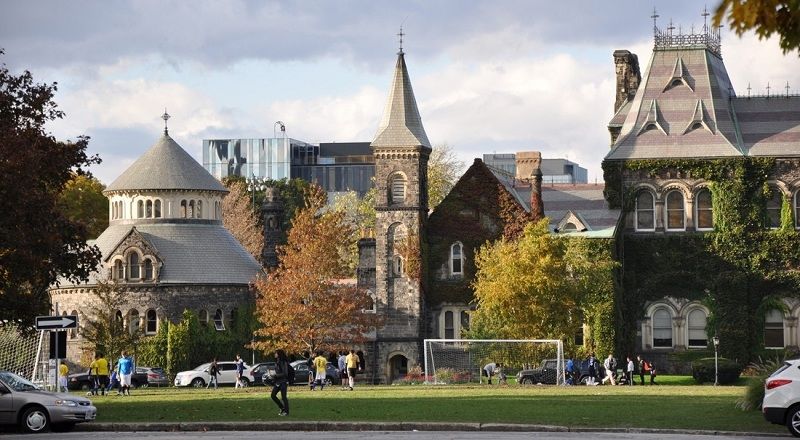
240	220
302	305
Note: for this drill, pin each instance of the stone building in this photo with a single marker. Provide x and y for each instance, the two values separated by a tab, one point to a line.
166	246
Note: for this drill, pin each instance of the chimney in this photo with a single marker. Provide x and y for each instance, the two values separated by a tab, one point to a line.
529	170
628	77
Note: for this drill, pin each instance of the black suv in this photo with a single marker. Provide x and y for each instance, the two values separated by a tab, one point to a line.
546	374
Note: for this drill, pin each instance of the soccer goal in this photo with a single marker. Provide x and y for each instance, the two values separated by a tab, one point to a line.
21	351
449	361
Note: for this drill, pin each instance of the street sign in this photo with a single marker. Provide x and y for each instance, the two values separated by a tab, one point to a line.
56	322
58	345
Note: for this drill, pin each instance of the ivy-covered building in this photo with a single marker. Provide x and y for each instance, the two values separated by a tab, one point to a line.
709	182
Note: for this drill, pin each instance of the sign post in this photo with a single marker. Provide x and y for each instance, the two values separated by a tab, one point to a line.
59	324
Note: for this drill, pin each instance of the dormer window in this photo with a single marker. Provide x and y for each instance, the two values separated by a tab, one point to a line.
119	270
148	269
133	265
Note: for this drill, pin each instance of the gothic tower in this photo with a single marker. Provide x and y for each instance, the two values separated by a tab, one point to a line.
272	213
401	150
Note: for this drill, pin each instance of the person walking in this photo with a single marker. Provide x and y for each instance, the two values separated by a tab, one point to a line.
610	364
342	365
63	372
239	372
311	375
280	381
352	368
125	365
320	366
569	372
592	361
101	363
213	371
629	371
641	363
652	373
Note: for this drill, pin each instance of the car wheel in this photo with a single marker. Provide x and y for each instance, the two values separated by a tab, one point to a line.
198	382
85	386
245	382
793	420
328	380
35	419
526	381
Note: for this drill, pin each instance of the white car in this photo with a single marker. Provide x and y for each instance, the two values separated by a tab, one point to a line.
781	403
200	377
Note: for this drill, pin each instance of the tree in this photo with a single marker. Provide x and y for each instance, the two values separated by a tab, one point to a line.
239	218
302	305
82	201
103	328
540	286
38	242
359	215
444	169
766	17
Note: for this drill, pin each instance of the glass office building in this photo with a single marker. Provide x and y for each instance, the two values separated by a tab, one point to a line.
339	167
269	158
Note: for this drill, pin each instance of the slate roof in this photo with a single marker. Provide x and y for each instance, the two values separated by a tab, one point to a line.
165	166
191	252
401	125
687	97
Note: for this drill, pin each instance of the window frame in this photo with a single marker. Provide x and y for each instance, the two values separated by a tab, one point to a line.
651	210
398	188
698	208
668	210
782	329
459	258
767	209
671	328
153	321
689	328
134	266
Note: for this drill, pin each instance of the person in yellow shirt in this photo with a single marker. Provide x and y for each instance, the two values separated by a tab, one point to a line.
321	365
352	368
101	366
63	371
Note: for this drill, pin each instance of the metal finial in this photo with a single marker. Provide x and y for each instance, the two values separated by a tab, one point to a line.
655	24
165	117
748	90
787	89
401	34
705	15
670	28
768	90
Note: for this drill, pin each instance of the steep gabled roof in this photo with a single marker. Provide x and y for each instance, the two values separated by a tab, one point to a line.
166	166
401	125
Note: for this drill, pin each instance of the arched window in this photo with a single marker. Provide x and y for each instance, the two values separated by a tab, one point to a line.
773	329
119	270
218	323
199	209
675	215
148	269
152	322
449	329
203	317
456	259
704	215
645	212
148	211
397	188
464	320
662	329
133	321
114	211
570	227
118	317
158	209
140	209
397	266
372	305
183	208
697	329
190	214
133	266
774	208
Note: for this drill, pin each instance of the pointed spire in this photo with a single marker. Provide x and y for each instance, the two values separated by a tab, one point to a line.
401	125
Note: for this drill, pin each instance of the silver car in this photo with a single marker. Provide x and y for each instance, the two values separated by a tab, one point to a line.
25	405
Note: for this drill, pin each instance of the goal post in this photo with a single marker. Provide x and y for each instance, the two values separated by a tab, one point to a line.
449	361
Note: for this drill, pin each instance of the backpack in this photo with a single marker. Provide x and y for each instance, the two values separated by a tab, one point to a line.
290	373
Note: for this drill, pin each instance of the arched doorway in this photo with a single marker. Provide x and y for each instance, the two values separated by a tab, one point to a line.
398	367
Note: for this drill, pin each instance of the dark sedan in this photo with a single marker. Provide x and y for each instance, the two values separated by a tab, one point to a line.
80	381
301	373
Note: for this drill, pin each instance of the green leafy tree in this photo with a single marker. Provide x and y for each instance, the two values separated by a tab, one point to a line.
444	169
541	286
104	330
38	242
82	201
302	305
765	17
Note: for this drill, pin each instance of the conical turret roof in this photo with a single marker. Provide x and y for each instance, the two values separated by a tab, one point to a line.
401	125
166	166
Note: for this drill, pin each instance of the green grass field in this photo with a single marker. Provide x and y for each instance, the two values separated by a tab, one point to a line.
676	403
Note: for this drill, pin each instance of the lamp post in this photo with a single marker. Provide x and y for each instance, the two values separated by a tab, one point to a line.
715	339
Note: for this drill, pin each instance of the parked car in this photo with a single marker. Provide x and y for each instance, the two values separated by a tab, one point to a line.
33	410
80	381
200	376
301	373
156	376
546	373
782	396
259	371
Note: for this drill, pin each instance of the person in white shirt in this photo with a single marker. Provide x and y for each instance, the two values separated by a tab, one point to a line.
629	371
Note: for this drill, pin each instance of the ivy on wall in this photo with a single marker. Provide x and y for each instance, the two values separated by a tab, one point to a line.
736	270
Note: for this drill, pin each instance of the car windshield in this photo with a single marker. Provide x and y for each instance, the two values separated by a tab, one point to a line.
17	383
202	367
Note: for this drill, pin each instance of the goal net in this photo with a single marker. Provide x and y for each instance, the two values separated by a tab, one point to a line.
449	361
21	351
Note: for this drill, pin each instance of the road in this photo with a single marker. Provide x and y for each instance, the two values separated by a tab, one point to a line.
337	435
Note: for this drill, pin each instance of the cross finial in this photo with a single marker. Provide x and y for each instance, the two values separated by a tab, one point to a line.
655	17
768	90
748	90
401	34
165	117
787	88
670	28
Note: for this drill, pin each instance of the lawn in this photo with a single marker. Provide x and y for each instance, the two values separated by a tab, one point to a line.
676	403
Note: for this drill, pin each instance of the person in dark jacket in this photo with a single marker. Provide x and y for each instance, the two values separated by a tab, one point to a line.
281	382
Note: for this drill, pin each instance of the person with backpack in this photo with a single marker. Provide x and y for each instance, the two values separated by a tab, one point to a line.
283	375
213	372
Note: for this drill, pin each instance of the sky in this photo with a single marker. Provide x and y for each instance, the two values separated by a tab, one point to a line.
497	76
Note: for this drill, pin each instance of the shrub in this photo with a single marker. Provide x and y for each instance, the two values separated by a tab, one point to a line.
754	392
703	371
